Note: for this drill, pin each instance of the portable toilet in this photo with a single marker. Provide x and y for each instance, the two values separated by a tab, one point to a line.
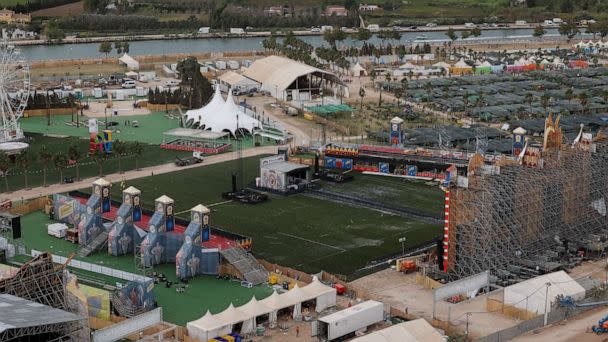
97	93
233	65
78	93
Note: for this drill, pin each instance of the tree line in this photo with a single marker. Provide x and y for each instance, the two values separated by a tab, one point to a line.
100	22
61	160
34	5
51	100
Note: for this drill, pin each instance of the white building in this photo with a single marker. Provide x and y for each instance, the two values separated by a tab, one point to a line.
368	8
236	82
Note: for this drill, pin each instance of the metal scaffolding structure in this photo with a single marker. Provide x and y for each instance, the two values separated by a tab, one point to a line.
40	281
519	221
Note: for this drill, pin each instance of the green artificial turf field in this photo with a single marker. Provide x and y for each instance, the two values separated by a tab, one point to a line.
297	231
393	191
203	292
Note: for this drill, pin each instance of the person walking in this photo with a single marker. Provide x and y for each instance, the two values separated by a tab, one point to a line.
297	331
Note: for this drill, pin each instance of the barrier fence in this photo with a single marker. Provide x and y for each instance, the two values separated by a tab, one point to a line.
83	265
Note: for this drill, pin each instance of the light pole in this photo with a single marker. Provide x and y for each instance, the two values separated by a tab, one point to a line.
466	330
546	302
402	241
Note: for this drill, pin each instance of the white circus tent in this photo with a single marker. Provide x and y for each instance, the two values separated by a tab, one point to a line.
221	116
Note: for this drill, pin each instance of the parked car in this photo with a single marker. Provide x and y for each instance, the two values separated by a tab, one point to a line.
171	83
128	84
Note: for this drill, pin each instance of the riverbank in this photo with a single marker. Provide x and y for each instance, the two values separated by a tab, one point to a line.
279	33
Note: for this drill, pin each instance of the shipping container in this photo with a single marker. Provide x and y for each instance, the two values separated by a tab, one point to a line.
349	320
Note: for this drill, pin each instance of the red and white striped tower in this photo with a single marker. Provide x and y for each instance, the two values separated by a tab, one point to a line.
446	230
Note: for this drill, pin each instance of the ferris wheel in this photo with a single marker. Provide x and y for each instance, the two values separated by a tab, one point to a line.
14	91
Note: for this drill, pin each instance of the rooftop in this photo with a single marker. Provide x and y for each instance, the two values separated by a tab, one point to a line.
16	313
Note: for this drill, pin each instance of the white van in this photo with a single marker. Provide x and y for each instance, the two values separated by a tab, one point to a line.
373	27
128	84
470	25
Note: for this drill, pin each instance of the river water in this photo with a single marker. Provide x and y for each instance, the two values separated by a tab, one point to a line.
161	47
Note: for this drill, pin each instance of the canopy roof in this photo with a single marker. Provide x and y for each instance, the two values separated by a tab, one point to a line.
280	72
418	330
274	302
18	313
129	62
232	78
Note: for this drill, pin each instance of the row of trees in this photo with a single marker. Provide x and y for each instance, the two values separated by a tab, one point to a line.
60	160
123	23
120	47
195	90
38	100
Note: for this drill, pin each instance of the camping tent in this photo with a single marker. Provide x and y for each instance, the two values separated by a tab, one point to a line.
129	62
358	70
461	68
483	68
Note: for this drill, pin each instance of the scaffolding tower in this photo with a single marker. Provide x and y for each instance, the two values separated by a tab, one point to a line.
517	219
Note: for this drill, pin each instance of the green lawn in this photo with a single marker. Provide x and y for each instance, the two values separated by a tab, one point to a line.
298	231
203	292
152	155
150	130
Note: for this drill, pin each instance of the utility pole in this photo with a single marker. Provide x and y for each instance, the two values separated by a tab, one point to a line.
402	241
546	302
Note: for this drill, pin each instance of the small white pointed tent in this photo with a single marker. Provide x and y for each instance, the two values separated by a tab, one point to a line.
325	295
216	102
461	64
206	327
358	70
129	62
252	310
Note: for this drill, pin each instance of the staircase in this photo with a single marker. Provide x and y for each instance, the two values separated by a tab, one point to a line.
124	307
94	244
245	263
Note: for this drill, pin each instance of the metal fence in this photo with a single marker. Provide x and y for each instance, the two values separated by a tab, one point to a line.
535	323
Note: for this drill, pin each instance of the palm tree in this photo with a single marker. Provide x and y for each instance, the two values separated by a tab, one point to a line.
429	90
398	94
120	149
583	99
23	163
528	98
465	101
544	101
569	94
45	157
136	149
100	158
75	155
61	162
5	165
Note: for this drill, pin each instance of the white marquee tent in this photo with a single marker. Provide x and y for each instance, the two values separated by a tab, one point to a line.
530	294
129	62
220	116
358	70
210	325
417	330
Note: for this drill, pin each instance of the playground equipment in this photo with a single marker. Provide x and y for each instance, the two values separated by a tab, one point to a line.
14	91
101	141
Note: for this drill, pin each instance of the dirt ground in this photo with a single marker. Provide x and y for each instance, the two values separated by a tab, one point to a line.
61	11
402	292
124	108
575	329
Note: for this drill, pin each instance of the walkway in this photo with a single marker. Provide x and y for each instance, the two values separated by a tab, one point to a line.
134	174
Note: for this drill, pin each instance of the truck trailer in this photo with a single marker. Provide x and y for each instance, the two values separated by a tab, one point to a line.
347	321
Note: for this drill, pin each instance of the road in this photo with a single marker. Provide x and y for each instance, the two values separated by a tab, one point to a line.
575	329
144	172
